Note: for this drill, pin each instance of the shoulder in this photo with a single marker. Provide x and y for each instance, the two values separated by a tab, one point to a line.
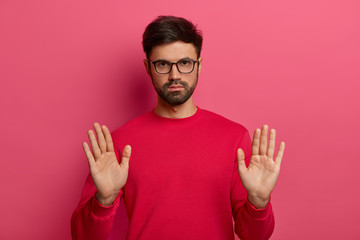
132	124
219	121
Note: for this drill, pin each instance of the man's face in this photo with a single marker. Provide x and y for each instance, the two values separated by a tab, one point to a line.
175	87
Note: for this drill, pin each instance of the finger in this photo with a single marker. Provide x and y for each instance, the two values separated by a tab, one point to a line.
271	149
263	140
280	153
241	161
108	139
94	144
88	154
256	142
100	137
126	155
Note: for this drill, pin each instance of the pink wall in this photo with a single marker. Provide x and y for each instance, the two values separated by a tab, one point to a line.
291	64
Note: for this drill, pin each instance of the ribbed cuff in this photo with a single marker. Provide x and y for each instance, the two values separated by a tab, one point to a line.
259	214
104	211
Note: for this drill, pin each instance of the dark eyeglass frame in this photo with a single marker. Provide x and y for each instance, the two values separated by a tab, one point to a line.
177	66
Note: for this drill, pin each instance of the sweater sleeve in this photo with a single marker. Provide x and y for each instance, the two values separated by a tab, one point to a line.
250	223
91	220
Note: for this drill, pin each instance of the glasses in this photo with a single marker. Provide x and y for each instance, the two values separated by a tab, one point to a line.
185	65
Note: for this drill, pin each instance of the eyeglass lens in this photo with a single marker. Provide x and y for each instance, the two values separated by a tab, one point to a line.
184	66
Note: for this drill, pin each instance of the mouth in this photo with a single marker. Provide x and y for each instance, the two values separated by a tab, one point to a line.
174	88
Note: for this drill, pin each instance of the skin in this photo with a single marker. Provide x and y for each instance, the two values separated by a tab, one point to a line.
173	52
109	176
260	177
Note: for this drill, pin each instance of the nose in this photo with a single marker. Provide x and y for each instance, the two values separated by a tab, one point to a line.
174	73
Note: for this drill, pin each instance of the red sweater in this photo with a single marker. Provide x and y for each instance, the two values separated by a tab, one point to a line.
183	183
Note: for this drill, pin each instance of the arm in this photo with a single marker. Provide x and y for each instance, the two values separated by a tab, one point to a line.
250	223
94	216
258	179
91	220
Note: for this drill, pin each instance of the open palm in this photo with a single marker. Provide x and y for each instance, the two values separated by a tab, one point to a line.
260	177
108	175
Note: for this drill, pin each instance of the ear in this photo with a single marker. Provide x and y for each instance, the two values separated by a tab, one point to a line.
147	67
199	66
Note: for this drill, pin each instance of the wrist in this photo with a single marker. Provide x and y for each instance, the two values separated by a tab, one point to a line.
258	202
105	201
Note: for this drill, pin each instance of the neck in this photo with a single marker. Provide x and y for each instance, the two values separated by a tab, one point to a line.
184	110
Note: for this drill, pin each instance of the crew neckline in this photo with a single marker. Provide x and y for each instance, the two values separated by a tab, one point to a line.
191	118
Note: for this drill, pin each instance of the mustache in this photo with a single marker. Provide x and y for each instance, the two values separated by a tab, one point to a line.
176	82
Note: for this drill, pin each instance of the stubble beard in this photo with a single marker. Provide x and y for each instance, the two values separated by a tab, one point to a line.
176	97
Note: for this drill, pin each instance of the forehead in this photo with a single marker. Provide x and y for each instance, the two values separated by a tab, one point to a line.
173	51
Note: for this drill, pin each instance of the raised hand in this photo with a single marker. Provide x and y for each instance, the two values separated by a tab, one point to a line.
108	175
260	177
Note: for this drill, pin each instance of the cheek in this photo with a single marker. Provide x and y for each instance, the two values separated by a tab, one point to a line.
191	78
159	81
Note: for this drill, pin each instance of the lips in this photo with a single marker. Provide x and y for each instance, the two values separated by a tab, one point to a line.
176	87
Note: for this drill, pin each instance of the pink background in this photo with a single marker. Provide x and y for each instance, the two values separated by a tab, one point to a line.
294	65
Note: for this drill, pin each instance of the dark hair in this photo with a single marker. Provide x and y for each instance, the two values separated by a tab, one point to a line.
169	29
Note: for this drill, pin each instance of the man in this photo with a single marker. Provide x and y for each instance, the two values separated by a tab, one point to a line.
187	177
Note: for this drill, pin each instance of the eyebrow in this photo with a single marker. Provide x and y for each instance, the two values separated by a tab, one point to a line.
186	58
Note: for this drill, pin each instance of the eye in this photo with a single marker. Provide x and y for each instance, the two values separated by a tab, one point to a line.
185	62
162	64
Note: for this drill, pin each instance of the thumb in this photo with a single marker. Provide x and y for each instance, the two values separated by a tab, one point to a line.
126	155
241	161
